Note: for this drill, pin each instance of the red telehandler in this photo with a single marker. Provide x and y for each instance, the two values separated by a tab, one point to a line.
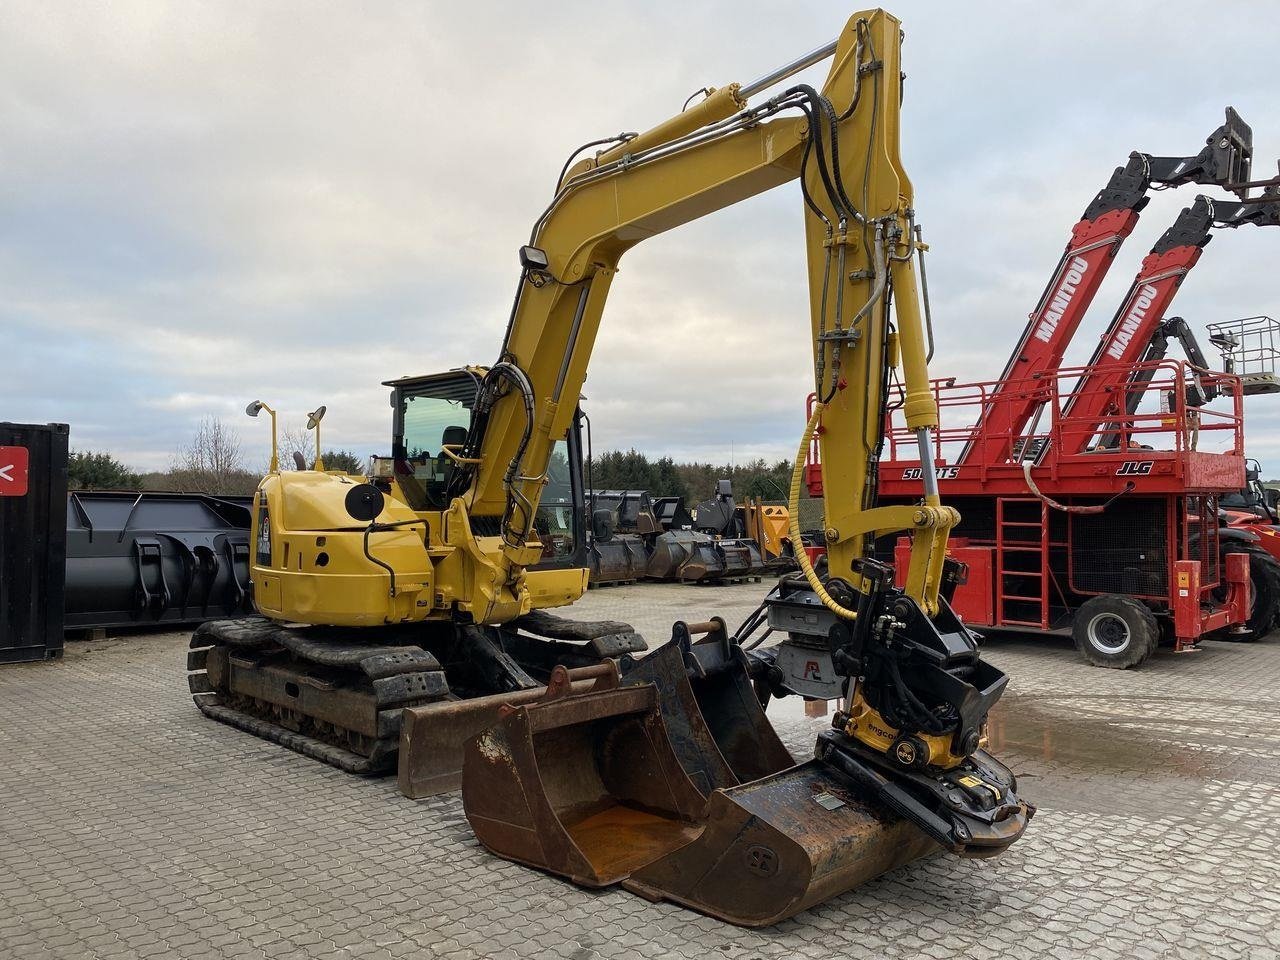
1094	243
1120	548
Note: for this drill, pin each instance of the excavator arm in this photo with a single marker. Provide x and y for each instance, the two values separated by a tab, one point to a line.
842	143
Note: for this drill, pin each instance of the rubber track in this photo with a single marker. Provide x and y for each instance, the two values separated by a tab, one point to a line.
259	633
382	761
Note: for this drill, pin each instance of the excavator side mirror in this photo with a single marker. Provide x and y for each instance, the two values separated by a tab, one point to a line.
1252	474
315	416
602	525
254	408
364	502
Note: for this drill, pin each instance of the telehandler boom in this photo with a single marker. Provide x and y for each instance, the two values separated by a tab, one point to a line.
1225	161
384	598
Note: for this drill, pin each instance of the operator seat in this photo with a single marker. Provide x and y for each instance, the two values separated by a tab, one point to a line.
444	466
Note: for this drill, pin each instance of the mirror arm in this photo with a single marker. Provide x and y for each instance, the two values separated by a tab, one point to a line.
319	464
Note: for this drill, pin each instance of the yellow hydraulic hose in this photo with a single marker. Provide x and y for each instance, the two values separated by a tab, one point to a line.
793	506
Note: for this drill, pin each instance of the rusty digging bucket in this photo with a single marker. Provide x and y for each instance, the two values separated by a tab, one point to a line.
648	786
713	718
433	736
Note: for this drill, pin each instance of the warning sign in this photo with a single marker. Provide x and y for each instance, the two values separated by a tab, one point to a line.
13	471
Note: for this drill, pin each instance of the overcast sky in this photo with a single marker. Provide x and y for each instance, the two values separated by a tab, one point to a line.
201	204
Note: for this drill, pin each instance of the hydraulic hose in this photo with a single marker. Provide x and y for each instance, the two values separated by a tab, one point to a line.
793	507
1054	504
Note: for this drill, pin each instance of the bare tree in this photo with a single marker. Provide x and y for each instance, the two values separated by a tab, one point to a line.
299	440
212	462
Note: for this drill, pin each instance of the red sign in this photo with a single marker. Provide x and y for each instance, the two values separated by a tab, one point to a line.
13	471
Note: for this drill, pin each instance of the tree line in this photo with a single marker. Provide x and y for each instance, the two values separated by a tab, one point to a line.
212	461
694	481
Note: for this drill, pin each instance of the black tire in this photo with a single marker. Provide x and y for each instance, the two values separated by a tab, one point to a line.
1115	631
1264	576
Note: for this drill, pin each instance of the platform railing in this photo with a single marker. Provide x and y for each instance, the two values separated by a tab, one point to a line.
1250	348
1166	416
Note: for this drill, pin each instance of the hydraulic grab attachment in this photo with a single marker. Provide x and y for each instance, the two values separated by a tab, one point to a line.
674	784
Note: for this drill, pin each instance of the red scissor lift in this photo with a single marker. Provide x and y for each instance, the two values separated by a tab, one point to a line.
1121	541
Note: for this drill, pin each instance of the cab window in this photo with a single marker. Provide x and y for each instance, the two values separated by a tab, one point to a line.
554	520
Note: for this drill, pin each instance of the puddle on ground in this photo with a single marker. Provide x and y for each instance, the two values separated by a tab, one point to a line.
1031	729
1126	740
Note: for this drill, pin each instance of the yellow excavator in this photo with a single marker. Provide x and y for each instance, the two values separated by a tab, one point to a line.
407	617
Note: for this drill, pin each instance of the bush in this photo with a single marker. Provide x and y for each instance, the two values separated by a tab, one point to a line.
87	470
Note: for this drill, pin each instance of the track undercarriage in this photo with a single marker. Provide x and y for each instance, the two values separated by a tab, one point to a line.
318	692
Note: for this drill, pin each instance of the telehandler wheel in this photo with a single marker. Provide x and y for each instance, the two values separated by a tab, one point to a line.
1115	631
1264	577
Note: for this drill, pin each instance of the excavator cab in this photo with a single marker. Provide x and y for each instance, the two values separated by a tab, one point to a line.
431	415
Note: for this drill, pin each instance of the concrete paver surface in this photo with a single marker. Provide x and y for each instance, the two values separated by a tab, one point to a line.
131	826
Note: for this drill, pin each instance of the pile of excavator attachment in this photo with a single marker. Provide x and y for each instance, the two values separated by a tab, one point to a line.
669	780
635	537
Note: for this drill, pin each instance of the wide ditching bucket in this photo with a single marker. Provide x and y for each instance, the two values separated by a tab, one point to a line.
676	786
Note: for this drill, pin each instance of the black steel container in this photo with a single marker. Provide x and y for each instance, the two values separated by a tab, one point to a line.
33	537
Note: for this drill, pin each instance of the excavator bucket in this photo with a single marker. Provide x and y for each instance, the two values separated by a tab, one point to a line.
620	559
433	736
741	557
676	786
685	555
718	727
584	786
779	845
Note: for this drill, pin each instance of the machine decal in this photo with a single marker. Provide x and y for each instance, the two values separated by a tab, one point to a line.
264	537
1132	321
1135	468
1062	296
944	473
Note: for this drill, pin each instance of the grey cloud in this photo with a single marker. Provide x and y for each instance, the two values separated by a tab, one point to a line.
200	204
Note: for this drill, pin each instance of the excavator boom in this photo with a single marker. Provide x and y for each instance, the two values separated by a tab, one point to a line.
842	144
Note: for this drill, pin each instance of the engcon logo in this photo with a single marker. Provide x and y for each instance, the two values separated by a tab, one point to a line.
1132	320
1061	298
